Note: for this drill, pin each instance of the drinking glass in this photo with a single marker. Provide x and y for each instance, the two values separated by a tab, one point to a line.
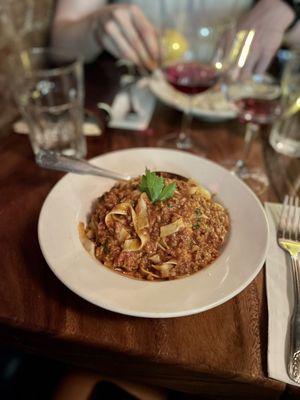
49	90
257	99
285	133
258	104
192	55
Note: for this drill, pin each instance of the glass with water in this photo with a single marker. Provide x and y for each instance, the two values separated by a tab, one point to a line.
285	134
49	90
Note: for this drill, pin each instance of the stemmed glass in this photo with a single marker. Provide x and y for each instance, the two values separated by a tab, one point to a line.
257	99
192	55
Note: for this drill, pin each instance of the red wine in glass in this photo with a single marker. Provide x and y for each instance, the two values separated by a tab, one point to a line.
191	77
258	110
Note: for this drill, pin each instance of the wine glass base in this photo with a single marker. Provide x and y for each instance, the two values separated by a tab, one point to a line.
255	178
172	141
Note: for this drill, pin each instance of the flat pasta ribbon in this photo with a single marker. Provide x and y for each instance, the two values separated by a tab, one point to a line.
119	209
174	227
140	223
196	188
87	243
165	268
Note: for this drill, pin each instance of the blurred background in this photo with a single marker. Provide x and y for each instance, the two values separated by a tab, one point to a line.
22	24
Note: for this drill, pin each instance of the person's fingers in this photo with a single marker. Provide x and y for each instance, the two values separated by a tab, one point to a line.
247	70
146	31
105	41
110	46
251	60
263	63
125	50
268	52
224	50
123	18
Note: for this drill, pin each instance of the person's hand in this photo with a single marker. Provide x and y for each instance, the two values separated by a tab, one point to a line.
269	19
124	31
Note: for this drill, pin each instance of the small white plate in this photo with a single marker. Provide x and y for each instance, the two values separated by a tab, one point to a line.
211	105
70	202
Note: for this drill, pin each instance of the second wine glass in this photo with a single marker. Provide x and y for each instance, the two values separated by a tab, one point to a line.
257	101
192	60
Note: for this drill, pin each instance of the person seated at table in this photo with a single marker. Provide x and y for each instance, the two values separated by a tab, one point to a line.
124	30
93	26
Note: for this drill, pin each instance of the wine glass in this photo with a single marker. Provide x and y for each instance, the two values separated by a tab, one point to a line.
257	99
192	60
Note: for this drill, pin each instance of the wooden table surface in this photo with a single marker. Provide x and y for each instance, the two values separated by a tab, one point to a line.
221	353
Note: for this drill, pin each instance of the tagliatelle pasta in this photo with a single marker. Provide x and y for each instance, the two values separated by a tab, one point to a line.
156	240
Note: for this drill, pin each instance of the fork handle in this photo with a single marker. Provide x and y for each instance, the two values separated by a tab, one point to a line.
59	162
294	359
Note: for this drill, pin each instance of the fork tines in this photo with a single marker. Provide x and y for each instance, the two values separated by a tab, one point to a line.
289	224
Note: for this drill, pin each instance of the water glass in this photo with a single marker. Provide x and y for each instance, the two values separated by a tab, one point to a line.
49	90
285	134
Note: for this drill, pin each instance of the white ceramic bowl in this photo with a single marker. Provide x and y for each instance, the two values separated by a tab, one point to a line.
70	200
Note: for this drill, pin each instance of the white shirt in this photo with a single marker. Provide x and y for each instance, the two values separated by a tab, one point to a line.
209	10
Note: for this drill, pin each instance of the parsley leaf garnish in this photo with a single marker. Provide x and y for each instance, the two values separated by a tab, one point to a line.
155	188
167	191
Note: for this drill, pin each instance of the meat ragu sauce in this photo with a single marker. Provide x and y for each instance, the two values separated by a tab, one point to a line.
157	241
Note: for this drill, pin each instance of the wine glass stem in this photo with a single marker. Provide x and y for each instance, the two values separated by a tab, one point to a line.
241	164
184	140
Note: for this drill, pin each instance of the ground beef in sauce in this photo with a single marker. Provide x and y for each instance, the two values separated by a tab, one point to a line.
196	245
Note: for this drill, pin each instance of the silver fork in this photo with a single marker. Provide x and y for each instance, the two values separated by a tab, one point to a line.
288	237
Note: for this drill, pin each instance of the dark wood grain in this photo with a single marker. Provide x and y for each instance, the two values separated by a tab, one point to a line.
220	353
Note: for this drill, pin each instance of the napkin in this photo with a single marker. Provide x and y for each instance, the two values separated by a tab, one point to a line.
143	102
280	300
90	127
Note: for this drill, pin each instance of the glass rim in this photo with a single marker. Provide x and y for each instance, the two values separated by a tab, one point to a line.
219	24
292	60
77	59
213	25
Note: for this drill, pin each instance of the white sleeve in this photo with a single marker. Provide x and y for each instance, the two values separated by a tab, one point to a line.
73	10
72	27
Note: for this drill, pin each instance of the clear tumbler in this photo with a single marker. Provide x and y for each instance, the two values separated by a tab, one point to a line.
285	134
49	89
